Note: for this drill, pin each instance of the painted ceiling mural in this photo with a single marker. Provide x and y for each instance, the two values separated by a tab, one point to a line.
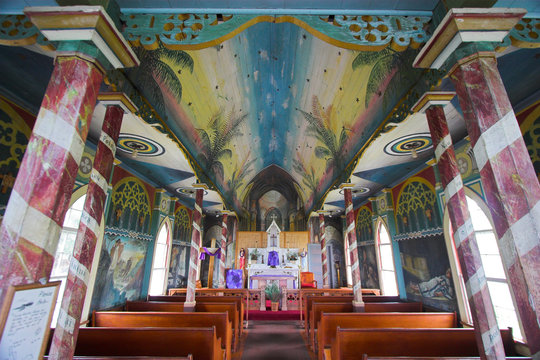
273	95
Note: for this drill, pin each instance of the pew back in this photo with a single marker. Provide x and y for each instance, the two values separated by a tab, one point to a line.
353	343
169	319
200	342
331	321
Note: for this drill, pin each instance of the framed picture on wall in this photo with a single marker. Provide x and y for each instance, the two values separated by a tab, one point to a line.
25	320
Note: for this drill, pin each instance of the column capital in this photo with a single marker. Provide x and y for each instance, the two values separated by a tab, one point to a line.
84	23
433	98
119	99
228	213
466	25
201	186
347	185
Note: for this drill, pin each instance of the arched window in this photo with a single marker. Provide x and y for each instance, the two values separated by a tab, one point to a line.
494	270
64	251
158	276
386	261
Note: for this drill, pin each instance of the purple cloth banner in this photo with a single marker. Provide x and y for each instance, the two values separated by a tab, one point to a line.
205	251
273	258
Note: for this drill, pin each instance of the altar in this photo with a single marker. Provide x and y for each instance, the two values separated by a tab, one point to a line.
273	263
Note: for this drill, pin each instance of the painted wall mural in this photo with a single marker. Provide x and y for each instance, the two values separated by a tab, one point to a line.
529	120
122	260
424	259
366	248
336	253
181	247
15	129
227	104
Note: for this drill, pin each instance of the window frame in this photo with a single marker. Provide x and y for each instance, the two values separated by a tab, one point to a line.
165	224
378	225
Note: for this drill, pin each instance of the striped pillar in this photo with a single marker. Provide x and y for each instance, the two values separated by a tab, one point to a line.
67	328
358	303
488	335
196	234
509	180
322	236
42	191
223	250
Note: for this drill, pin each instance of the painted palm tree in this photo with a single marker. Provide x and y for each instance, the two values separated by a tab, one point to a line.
387	61
308	177
161	66
319	122
215	139
239	174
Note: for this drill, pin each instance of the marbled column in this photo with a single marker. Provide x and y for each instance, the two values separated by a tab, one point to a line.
41	194
67	328
189	305
223	254
322	237
509	180
358	303
487	331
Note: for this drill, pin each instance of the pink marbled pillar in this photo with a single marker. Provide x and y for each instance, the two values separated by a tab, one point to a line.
358	302
322	236
223	254
488	335
189	304
509	180
65	335
36	209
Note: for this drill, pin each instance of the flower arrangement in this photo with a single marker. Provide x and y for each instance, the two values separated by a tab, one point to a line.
254	255
292	255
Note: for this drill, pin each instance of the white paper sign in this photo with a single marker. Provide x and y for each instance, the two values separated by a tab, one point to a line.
27	322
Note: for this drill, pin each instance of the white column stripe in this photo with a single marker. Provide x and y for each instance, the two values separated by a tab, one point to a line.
196	226
445	143
355	266
349	209
198	208
79	270
357	287
90	222
31	224
491	337
100	181
492	141
66	321
463	232
108	142
455	185
476	282
350	227
525	231
59	132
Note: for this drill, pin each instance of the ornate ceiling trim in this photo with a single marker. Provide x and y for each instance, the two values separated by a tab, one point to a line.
198	31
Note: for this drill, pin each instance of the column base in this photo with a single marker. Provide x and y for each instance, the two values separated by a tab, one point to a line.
358	306
189	307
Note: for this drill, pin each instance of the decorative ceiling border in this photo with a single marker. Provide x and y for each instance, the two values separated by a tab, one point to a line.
198	31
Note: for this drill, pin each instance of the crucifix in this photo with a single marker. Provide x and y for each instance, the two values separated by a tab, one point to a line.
273	217
273	237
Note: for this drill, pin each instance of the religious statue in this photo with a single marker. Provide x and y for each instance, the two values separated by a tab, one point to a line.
303	259
241	258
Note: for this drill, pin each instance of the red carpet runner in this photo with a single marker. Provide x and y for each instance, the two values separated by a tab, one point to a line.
274	315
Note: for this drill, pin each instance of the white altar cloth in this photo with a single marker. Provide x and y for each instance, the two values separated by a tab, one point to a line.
264	273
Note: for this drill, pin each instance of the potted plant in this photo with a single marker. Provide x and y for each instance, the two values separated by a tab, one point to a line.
273	293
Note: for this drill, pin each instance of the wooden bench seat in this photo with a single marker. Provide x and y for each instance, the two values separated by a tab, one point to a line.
169	319
329	323
238	299
347	307
230	308
308	300
200	342
189	357
354	343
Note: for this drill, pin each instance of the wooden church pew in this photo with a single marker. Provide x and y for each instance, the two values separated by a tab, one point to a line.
329	323
308	300
346	307
230	308
238	299
169	319
354	343
200	342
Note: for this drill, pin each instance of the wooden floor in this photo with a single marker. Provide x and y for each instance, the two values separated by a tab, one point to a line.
274	339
